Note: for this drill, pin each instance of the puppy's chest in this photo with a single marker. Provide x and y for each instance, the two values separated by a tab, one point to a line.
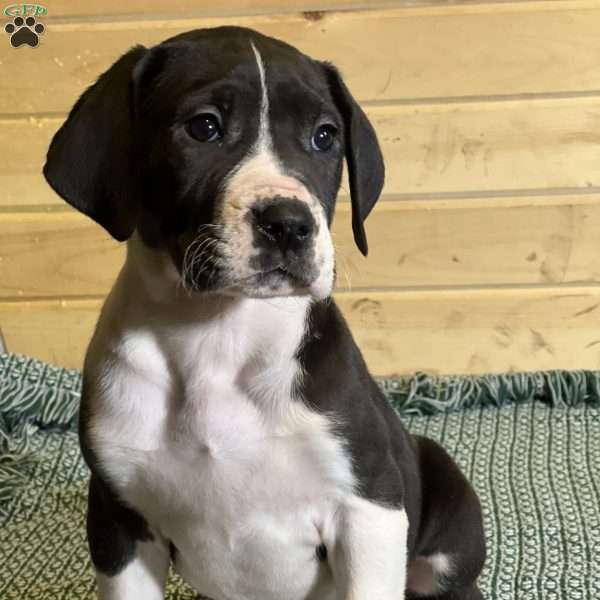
232	482
219	439
216	448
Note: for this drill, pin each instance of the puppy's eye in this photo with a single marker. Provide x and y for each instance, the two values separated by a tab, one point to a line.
205	127
324	137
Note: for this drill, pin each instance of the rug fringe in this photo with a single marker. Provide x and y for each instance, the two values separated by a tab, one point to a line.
425	394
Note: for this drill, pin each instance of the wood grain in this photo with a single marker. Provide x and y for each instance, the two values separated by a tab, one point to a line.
55	331
55	254
81	10
490	49
465	331
466	148
476	147
495	244
448	244
450	332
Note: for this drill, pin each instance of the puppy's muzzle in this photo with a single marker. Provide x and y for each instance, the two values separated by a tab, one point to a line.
285	225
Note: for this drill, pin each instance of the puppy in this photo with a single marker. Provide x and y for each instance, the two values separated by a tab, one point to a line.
227	416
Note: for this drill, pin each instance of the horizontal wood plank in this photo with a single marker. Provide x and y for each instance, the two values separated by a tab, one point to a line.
55	254
84	9
476	332
546	48
484	147
65	254
81	10
492	245
468	148
450	332
54	331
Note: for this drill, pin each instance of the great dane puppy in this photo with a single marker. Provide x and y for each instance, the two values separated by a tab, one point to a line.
227	416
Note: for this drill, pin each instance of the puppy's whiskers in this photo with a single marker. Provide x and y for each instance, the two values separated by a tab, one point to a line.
341	261
200	253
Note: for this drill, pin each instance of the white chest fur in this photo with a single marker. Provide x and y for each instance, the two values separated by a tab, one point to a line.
197	428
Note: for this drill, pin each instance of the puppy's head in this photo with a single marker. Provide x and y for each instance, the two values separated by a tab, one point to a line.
224	148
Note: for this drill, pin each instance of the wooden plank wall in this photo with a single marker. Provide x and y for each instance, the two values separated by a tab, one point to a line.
484	247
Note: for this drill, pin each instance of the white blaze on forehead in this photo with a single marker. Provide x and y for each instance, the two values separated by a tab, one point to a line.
261	174
264	135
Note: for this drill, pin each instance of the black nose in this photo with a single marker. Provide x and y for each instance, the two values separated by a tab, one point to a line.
285	222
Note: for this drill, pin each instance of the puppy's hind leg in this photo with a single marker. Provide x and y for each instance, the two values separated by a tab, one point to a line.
131	562
450	549
471	593
143	577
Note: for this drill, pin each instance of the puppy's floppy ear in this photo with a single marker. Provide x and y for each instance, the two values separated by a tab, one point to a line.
90	161
366	170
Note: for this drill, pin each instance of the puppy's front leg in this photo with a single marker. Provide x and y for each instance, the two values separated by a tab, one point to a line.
131	562
369	557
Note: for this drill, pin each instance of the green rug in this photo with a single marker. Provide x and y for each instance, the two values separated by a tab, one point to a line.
529	443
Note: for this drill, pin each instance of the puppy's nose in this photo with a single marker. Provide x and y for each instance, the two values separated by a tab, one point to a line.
286	223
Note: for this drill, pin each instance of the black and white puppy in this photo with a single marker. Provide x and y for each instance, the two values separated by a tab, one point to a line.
228	418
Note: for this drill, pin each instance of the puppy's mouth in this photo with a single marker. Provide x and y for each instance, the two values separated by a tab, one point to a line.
276	281
285	273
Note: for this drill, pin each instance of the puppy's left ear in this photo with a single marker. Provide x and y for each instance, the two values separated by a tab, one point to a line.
366	170
89	162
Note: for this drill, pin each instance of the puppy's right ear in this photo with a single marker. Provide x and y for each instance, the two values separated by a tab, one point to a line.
90	162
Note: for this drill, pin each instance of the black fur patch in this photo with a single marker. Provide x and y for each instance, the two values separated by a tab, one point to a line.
113	529
392	467
321	552
337	382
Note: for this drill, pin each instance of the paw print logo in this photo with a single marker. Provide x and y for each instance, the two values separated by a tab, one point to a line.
24	31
